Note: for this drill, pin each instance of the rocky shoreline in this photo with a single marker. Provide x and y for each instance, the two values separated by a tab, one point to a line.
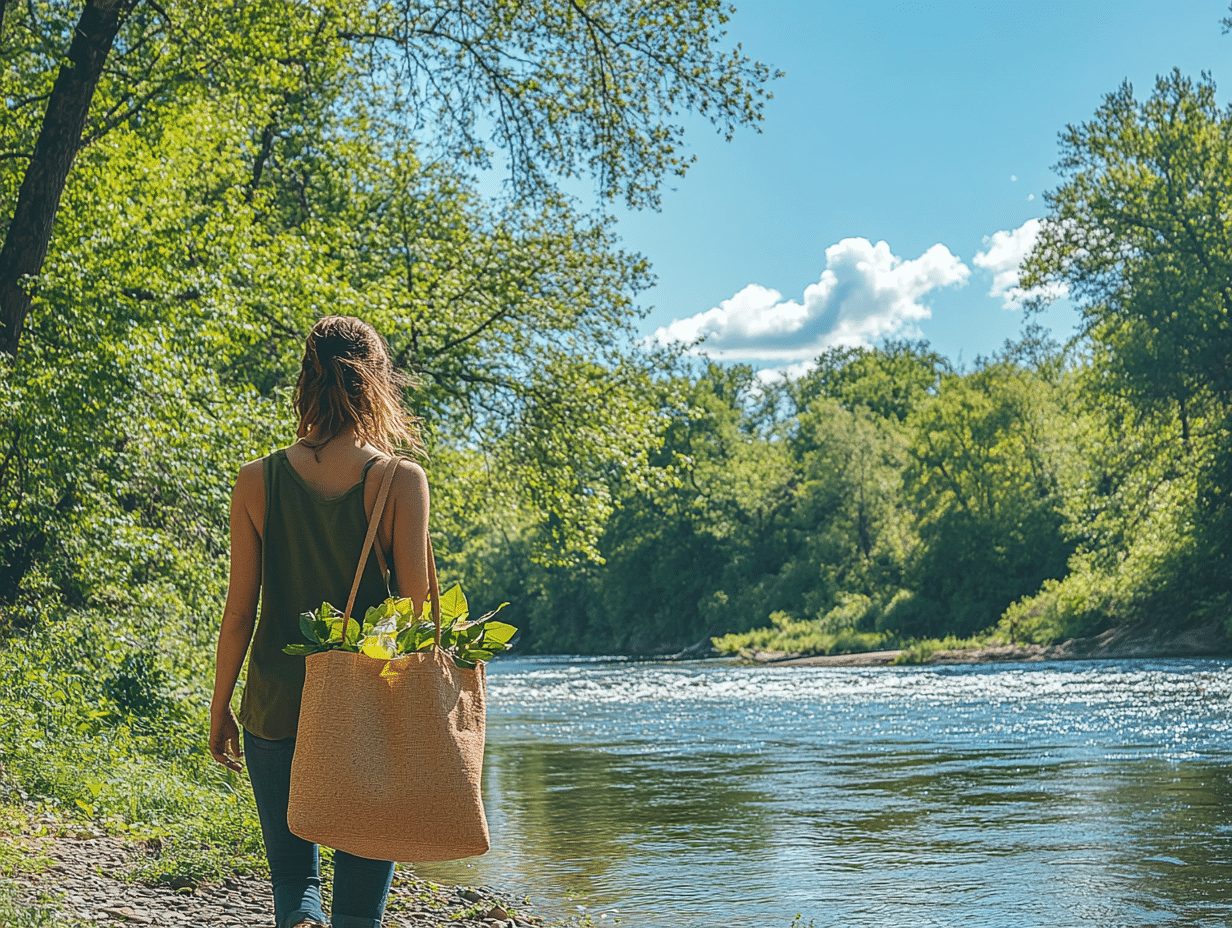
1117	643
82	880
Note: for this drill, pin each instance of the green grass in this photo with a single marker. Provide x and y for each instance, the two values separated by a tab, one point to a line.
919	651
807	636
19	848
105	726
17	913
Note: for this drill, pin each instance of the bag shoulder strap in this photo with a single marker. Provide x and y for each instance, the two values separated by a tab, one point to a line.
374	522
434	592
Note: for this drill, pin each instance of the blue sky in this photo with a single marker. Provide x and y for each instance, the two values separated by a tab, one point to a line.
900	123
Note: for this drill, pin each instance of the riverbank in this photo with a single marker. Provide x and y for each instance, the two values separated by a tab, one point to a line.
1211	640
62	880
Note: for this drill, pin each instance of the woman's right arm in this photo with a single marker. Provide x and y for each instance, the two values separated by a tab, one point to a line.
240	613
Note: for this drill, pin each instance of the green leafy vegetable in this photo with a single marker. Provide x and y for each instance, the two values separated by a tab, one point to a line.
392	629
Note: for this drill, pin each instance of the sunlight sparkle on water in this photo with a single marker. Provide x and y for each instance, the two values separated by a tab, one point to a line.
702	794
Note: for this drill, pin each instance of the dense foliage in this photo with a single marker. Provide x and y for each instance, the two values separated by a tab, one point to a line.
243	169
882	497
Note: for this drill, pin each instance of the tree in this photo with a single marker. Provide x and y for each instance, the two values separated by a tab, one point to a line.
855	534
124	57
567	88
891	381
29	232
984	479
246	168
1140	233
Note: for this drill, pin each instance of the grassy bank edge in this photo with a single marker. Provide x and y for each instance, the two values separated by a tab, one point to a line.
1206	640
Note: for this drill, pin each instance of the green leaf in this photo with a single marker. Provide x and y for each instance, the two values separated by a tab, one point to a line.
375	615
301	649
413	638
322	629
464	664
307	626
453	605
498	633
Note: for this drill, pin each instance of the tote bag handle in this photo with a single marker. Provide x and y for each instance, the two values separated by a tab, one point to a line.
434	591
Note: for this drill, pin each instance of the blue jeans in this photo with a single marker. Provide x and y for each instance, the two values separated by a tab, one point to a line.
360	885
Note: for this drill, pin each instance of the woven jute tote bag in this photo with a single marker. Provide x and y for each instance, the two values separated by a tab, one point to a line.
389	753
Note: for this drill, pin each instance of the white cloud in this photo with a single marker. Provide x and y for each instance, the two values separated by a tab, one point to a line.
1003	257
768	375
865	294
1004	253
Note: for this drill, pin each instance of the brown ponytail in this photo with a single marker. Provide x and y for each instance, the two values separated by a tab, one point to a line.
347	379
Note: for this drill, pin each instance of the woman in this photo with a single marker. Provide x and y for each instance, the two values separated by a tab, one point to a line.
298	520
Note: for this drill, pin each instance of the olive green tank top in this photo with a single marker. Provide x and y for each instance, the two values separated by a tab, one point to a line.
309	551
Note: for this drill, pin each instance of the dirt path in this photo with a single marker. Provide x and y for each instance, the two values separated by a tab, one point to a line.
85	884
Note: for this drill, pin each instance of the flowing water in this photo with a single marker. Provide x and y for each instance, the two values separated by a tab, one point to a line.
705	794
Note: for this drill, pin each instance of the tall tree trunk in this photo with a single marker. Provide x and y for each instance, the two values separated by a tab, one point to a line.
25	244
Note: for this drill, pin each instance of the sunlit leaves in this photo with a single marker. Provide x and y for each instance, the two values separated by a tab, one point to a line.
453	606
1140	232
572	89
394	628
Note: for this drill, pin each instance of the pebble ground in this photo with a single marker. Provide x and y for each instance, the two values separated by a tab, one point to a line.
85	884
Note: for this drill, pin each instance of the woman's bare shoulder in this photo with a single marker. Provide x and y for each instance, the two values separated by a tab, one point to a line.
250	482
410	482
411	470
251	471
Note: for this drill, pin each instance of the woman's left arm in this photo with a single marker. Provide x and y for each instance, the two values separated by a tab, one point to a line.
239	615
408	527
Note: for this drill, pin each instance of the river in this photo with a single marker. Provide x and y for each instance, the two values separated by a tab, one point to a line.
668	795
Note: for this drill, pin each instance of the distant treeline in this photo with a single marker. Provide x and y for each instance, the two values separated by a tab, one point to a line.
1045	492
886	497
